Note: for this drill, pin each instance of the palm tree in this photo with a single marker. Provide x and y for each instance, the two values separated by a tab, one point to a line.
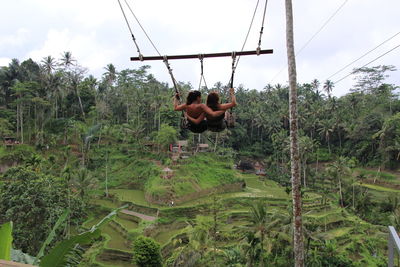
326	130
83	181
328	87
251	248
110	74
49	64
294	148
259	219
67	60
338	170
315	84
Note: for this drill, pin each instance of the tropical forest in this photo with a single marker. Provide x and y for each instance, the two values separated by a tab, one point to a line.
99	172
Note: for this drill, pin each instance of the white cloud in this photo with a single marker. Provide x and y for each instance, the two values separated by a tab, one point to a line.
96	34
19	38
4	61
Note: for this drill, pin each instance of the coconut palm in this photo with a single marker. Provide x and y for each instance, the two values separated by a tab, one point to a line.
294	147
67	60
49	64
328	87
82	182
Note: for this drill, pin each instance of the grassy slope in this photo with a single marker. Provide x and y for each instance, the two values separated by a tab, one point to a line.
202	171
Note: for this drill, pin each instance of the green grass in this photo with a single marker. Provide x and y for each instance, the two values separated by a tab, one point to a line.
105	203
130	195
115	240
379	188
202	171
335	233
127	224
388	177
165	236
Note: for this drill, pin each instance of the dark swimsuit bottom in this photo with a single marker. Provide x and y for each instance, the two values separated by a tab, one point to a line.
217	124
197	128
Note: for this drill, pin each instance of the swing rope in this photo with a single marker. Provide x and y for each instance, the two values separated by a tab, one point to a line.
165	59
184	121
144	31
130	30
262	28
202	78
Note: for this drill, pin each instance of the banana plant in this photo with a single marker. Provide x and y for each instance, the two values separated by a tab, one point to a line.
64	253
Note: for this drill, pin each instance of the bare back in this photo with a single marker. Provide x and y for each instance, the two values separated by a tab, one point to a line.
194	110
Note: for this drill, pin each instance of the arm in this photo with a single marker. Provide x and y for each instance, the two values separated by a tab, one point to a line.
211	112
232	103
195	121
178	107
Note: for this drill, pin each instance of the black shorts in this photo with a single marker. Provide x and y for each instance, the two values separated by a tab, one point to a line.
216	126
197	128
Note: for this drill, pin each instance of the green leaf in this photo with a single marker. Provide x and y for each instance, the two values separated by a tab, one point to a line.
6	241
108	218
57	256
52	234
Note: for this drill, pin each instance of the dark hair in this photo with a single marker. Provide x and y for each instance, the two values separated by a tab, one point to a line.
192	96
213	100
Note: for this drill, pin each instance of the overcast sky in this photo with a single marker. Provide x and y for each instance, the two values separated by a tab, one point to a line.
96	34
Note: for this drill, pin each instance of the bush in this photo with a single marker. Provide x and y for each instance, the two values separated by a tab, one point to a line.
146	252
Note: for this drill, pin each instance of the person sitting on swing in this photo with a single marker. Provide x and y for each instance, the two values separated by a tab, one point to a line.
195	109
215	123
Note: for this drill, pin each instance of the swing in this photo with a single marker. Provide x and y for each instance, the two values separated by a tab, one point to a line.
230	116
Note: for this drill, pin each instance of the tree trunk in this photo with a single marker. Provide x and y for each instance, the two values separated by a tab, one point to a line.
340	192
107	174
80	103
294	148
216	142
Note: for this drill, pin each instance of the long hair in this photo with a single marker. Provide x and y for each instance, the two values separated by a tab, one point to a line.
192	96
213	101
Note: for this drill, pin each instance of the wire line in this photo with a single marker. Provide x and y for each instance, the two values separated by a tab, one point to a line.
129	27
354	61
312	37
144	31
384	54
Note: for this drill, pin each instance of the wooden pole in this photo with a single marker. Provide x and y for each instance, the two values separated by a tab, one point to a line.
294	142
224	54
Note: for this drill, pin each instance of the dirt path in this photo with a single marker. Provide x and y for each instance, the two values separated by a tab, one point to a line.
140	215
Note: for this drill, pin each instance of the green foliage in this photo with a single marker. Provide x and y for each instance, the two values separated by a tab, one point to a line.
165	136
67	251
52	234
6	128
5	241
146	252
34	201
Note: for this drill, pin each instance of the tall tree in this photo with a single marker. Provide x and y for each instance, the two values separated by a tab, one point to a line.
294	148
328	87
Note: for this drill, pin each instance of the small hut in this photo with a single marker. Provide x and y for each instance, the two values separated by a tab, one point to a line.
10	141
178	147
202	148
167	173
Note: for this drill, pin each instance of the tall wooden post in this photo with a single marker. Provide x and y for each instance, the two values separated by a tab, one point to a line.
294	148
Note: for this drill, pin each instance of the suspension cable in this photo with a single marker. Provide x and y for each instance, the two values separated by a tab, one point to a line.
172	77
165	59
130	30
354	61
248	31
144	31
262	28
384	54
233	68
312	38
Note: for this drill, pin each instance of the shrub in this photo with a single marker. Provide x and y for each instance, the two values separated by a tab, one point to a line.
146	252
